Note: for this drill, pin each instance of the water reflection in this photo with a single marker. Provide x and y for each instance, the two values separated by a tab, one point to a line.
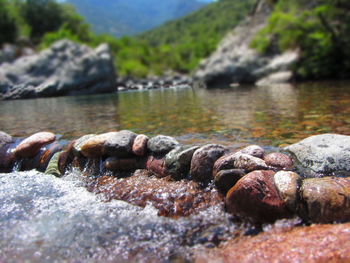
269	115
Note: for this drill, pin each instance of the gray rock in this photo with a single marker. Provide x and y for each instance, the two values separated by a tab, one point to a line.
327	154
225	179
66	68
162	144
203	161
178	161
254	150
248	163
5	138
120	144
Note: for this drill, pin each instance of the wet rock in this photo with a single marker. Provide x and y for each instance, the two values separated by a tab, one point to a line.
254	150
248	163
162	144
7	157
225	162
326	154
203	161
66	158
30	146
79	142
53	166
47	153
279	160
5	139
225	179
256	197
156	165
288	184
139	147
326	199
117	144
178	161
123	165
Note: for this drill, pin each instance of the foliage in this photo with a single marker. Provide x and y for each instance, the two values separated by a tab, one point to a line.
320	29
8	25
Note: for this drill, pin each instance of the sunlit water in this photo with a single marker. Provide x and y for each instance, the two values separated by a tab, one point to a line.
274	115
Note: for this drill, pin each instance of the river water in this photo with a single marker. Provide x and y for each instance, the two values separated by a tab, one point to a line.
48	219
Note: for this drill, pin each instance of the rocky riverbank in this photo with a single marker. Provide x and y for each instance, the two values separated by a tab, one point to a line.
308	180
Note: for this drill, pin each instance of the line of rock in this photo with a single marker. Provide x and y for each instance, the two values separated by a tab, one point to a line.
256	185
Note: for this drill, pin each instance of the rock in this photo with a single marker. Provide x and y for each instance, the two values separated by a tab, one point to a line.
327	199
30	146
225	179
203	161
5	138
7	157
123	165
66	68
162	144
254	150
288	184
327	154
139	147
276	78
53	166
178	161
47	154
248	163
118	144
79	142
279	160
156	166
235	61
224	163
256	197
66	158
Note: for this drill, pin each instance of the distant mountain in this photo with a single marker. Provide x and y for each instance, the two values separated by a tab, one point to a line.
130	17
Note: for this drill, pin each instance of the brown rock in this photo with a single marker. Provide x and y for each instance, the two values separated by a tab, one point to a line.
253	150
124	165
225	162
66	158
30	146
139	147
248	163
79	142
156	166
94	147
279	160
203	161
255	196
225	179
7	157
327	199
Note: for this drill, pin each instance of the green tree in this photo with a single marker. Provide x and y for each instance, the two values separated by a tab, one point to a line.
8	26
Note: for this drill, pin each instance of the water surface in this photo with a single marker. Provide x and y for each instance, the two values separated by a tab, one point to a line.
273	115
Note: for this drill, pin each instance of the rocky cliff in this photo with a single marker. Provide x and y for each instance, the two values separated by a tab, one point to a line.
235	61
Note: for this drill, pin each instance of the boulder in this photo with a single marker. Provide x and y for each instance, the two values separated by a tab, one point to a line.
288	184
66	68
139	147
162	144
30	146
256	197
178	161
279	160
326	199
203	161
322	155
225	179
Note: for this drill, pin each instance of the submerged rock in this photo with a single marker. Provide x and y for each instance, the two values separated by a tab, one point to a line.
161	144
326	154
66	68
30	146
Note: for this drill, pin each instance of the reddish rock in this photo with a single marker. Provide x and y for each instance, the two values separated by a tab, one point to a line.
254	150
203	161
225	162
30	146
225	179
139	147
156	166
279	160
326	199
124	165
312	244
256	197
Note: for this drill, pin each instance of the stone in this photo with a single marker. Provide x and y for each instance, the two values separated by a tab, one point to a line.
326	199
288	184
66	68
248	163
7	157
326	154
66	158
178	161
203	161
53	166
225	179
79	142
5	139
156	166
30	146
256	197
123	165
120	144
254	150
139	147
279	160
224	163
94	146
161	144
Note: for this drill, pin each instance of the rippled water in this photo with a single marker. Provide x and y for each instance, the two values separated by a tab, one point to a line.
268	115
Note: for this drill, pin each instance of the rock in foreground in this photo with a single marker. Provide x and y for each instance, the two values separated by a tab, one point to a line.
66	68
